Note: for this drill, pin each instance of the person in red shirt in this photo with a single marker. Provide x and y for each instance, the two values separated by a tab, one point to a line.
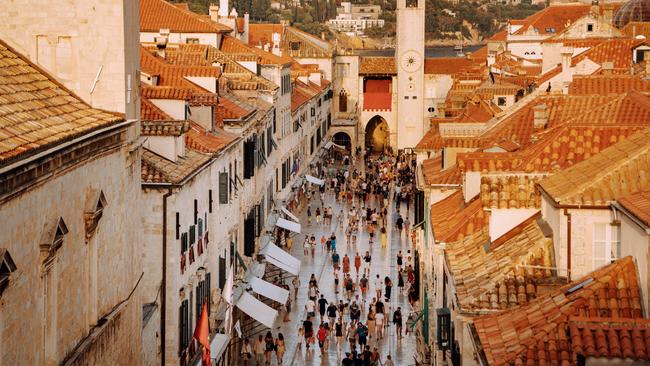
357	263
346	264
322	336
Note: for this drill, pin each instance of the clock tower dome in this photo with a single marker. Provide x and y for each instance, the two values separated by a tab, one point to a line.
409	59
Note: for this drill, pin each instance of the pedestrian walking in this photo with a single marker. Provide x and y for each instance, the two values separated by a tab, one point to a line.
269	347
322	306
246	352
336	281
280	348
296	285
331	312
357	262
370	323
346	264
397	320
308	215
399	260
322	336
338	333
379	324
383	237
388	284
349	286
318	216
352	335
389	360
306	246
301	336
400	281
260	348
363	284
308	327
367	258
378	285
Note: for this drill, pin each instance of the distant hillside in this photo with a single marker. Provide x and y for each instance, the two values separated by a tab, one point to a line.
443	18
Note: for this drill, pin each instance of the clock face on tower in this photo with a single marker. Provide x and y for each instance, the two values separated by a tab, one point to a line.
411	61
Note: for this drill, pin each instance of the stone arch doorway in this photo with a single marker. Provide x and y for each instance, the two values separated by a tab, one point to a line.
377	134
343	139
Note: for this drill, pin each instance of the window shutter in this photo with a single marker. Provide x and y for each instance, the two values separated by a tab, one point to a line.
210	201
223	188
192	234
178	224
600	254
196	210
222	272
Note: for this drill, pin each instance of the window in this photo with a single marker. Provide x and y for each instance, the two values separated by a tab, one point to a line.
606	244
192	40
53	241
183	326
343	101
196	210
210	201
501	101
223	189
295	46
184	243
590	27
431	110
7	266
93	213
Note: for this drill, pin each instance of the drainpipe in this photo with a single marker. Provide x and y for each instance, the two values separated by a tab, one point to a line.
568	244
163	300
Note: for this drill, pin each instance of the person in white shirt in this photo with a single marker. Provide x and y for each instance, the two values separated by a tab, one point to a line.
378	284
310	307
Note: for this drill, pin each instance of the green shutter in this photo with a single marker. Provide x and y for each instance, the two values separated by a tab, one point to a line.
223	188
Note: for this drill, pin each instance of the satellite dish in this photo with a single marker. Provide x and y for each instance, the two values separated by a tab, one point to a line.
640	36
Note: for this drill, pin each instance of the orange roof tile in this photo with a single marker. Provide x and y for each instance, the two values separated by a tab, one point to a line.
452	219
633	29
537	333
150	112
431	167
377	66
610	338
490	276
165	92
510	191
261	34
618	51
163	128
638	204
449	65
156	169
199	139
234	46
174	75
608	84
36	112
556	17
615	172
159	14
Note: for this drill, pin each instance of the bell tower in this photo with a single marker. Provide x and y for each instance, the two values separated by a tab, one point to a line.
409	59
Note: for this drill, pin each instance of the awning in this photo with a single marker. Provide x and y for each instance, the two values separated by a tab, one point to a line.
256	269
312	179
330	144
257	309
281	259
289	225
288	213
268	289
218	346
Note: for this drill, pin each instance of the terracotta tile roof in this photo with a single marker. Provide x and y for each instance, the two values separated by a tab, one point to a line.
451	176
610	338
174	75
489	276
476	109
511	64
633	29
510	191
156	169
308	45
615	172
638	204
556	16
261	34
499	36
608	84
36	112
233	47
431	167
537	333
432	140
301	93
452	219
158	14
618	51
163	128
489	90
479	56
214	141
449	65
165	92
235	109
377	66
149	111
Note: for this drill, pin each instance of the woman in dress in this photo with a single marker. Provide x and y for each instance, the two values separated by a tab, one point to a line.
383	237
388	284
306	246
270	346
246	351
280	348
370	323
400	281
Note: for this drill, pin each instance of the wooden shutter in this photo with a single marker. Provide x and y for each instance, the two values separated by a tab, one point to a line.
419	207
222	272
223	188
209	200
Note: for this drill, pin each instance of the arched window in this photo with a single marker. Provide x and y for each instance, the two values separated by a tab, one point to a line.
343	101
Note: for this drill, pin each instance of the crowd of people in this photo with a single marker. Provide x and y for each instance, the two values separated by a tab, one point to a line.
356	320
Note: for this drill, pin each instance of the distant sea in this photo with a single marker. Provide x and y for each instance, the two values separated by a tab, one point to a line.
429	51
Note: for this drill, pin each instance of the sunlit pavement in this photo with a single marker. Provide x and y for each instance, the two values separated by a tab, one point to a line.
383	263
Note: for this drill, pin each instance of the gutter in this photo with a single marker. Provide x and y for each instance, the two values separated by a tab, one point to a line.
61	146
568	244
618	207
163	300
556	204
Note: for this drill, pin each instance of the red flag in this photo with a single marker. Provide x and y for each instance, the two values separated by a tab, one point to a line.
202	335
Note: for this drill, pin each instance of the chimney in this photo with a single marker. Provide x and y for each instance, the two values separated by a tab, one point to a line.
223	8
540	113
567	74
244	36
608	13
219	116
213	11
161	42
607	67
595	10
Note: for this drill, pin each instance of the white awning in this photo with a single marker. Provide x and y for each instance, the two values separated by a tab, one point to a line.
281	259
289	225
329	144
288	213
256	268
268	289
218	346
257	309
312	179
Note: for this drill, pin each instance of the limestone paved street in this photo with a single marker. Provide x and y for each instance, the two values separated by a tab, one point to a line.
383	263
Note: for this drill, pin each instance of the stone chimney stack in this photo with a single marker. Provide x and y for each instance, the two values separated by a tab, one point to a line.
540	116
567	74
213	11
608	13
